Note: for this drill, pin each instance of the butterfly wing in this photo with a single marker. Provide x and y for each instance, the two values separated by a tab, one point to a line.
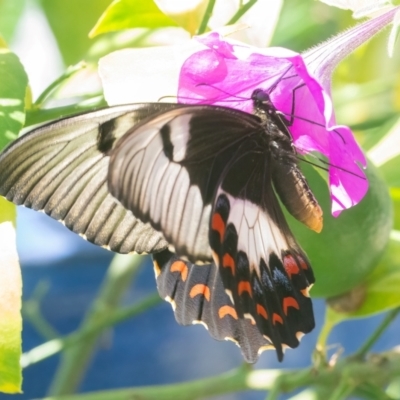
265	273
197	295
166	170
61	168
203	176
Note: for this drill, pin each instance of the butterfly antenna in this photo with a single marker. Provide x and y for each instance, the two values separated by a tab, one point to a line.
225	92
312	163
328	164
280	78
292	115
311	122
343	169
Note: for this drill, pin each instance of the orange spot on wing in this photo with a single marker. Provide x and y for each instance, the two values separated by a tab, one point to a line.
290	302
217	224
180	266
262	311
244	286
227	310
200	289
277	318
290	265
228	262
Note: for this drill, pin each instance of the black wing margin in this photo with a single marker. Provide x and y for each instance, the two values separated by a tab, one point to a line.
197	296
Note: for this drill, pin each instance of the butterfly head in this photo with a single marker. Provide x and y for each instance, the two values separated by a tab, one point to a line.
262	102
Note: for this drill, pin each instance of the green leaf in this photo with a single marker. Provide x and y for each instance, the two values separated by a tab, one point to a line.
382	285
10	302
13	86
395	195
349	246
381	288
10	12
127	14
71	22
390	171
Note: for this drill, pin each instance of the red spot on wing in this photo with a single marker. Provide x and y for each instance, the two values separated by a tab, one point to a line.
303	263
244	286
228	262
200	289
290	302
227	310
277	318
217	224
290	265
180	266
262	311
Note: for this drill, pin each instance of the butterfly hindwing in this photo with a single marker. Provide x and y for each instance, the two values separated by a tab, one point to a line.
264	271
61	168
197	295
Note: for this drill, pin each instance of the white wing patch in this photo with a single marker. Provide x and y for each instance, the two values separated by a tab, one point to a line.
258	235
180	136
158	189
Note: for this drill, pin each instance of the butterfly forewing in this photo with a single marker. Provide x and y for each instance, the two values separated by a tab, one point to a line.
61	168
166	171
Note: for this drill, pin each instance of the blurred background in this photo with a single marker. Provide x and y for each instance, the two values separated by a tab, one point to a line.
63	274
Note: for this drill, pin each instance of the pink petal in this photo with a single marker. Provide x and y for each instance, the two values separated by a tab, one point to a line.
227	72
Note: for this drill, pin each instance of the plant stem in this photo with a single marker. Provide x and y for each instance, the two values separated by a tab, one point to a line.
242	10
364	349
75	360
31	311
54	346
350	375
330	322
343	390
206	17
232	381
371	392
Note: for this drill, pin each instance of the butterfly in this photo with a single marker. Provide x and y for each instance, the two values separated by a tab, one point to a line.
196	186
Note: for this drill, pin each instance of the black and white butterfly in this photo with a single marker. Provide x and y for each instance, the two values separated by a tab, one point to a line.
195	185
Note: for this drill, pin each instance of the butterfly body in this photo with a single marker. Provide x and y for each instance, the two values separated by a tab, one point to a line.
193	184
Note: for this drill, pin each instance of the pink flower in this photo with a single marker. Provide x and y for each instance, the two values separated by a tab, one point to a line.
226	73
